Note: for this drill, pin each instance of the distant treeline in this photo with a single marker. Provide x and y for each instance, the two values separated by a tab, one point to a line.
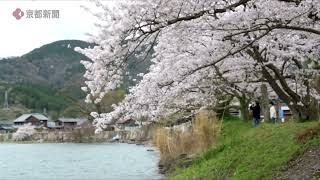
57	102
34	96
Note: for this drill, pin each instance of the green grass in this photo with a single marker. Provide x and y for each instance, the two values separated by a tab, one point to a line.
246	153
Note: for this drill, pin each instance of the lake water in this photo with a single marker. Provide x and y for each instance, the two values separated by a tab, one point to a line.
77	162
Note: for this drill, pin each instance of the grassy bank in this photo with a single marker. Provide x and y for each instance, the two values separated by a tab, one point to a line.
243	152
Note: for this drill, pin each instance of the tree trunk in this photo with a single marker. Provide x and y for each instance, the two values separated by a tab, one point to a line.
305	113
265	102
298	113
244	109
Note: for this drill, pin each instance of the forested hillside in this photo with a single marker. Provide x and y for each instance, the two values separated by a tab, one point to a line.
50	77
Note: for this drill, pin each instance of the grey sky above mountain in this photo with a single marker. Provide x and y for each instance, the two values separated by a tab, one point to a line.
21	36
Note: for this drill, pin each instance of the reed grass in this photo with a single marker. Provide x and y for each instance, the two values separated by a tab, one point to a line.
201	136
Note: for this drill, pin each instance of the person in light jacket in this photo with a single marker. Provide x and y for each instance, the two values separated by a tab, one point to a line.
273	113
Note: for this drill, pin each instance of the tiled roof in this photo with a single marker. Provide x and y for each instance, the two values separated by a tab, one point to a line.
24	117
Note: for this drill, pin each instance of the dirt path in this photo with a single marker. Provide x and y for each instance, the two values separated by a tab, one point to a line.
305	167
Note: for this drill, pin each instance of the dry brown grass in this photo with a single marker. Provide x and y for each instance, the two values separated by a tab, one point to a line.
201	136
308	134
82	134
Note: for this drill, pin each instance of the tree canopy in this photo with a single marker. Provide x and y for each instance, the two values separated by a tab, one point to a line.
203	49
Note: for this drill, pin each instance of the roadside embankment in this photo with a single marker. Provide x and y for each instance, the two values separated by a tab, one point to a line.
243	152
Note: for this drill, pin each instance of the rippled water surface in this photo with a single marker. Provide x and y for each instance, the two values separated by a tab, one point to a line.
77	161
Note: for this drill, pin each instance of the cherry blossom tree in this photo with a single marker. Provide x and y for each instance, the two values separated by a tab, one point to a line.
23	132
202	48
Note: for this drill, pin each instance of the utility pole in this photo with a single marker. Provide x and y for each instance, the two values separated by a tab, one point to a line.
6	103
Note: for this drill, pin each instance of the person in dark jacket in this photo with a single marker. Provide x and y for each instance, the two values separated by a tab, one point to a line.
255	108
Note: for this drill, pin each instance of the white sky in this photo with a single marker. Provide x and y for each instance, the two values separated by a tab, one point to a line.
18	37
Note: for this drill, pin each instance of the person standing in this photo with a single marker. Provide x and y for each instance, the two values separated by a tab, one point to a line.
255	108
273	113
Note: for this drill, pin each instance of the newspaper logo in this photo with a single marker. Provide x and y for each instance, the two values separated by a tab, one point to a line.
18	14
36	14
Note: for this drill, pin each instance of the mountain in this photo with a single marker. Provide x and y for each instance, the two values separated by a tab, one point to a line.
55	64
44	77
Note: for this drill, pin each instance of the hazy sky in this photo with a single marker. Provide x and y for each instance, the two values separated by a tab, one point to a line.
18	37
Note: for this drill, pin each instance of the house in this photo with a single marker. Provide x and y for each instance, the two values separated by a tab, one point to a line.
6	128
69	123
52	125
35	119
